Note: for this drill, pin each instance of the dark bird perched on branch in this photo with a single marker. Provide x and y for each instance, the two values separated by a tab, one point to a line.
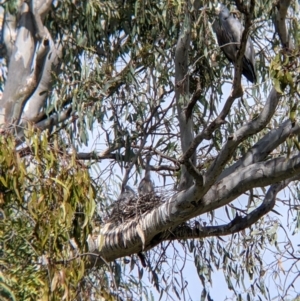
229	33
146	185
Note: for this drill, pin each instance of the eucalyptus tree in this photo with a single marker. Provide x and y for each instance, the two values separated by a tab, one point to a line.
120	80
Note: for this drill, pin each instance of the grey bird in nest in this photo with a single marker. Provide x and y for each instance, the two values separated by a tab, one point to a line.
146	185
126	194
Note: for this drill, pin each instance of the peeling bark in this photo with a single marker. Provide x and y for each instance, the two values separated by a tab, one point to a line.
33	60
9	34
37	100
18	88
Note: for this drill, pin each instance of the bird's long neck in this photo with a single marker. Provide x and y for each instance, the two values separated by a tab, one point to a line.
147	169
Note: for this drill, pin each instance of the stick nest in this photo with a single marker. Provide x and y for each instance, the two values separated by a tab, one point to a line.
130	208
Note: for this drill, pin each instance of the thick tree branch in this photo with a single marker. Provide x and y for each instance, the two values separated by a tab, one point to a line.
48	123
240	135
281	8
9	35
237	224
18	88
54	120
129	237
181	94
263	147
37	100
255	175
39	9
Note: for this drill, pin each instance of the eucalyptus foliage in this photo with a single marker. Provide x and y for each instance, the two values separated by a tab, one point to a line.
89	88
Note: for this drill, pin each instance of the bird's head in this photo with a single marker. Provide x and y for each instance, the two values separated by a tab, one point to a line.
222	11
148	158
129	192
128	189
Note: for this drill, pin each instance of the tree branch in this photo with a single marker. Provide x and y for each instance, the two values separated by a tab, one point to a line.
238	66
18	88
240	135
181	94
36	101
281	8
126	239
237	224
54	120
263	147
235	93
9	35
39	9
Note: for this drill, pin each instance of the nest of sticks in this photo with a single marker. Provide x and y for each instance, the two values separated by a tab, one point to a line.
130	208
